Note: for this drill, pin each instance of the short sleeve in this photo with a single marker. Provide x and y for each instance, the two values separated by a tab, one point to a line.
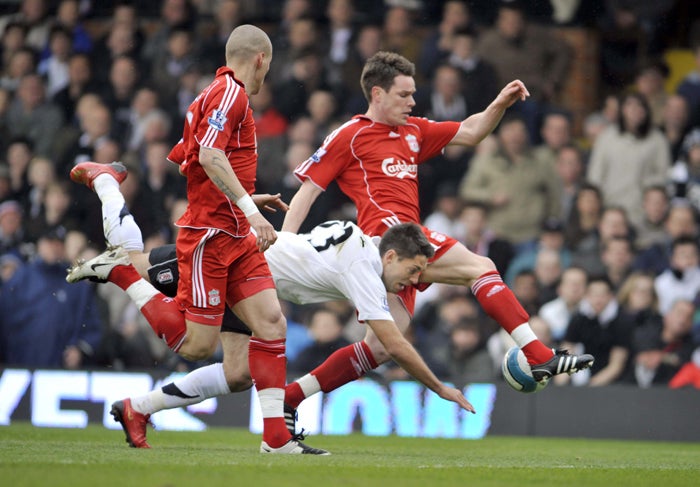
223	111
367	292
177	153
328	161
435	136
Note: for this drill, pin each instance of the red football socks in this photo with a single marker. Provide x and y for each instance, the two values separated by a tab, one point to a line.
162	313
268	368
499	302
124	276
343	366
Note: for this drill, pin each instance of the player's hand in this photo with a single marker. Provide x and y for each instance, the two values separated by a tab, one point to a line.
513	91
270	202
264	230
455	395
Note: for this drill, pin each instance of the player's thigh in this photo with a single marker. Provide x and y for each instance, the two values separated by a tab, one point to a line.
263	315
458	265
205	259
252	295
140	261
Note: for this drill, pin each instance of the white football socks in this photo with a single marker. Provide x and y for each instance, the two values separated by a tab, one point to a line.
119	229
198	385
309	385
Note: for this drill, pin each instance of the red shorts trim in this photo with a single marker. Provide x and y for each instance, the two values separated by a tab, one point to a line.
217	270
441	243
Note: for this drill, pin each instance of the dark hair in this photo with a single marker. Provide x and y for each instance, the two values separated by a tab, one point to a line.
556	113
587	186
381	69
514	5
630	244
468	31
476	204
29	51
407	240
21	139
602	278
656	187
572	147
573	267
684	240
181	28
59	29
646	125
510	118
16	24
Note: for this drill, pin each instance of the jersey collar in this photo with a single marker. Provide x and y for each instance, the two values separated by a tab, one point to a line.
380	124
226	71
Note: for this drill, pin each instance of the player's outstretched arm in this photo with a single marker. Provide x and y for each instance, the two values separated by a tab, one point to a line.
219	170
410	360
476	127
300	205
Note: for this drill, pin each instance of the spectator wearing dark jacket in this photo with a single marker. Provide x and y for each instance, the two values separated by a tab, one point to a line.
45	321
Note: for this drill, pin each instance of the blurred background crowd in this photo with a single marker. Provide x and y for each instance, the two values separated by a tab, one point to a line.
586	197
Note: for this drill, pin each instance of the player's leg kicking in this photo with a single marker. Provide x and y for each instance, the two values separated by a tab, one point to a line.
459	266
167	321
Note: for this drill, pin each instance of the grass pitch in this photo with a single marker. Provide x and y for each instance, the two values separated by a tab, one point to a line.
31	456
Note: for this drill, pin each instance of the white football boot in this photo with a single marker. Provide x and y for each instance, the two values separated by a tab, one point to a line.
98	268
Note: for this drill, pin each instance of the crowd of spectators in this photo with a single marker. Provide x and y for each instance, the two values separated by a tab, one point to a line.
595	229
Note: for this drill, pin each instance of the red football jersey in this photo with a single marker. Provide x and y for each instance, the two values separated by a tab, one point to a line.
219	118
177	153
376	166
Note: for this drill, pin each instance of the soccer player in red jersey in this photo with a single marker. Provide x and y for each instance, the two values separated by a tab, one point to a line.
374	159
221	240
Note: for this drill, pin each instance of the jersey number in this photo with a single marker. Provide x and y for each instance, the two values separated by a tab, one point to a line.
333	232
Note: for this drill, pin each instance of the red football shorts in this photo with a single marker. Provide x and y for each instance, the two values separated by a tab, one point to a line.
217	269
441	243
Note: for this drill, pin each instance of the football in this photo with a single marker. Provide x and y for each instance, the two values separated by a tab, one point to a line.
516	372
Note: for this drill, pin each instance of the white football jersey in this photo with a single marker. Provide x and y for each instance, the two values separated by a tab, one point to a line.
333	261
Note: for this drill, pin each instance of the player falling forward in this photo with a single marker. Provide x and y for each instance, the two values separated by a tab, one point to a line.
374	159
334	261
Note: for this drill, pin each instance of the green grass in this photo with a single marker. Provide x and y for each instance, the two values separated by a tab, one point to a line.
96	456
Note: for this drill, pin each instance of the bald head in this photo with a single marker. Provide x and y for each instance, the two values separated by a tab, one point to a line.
246	41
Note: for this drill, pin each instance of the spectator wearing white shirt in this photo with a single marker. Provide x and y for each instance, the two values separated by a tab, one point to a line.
682	278
558	312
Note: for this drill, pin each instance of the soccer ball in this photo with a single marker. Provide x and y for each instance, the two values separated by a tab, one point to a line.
516	372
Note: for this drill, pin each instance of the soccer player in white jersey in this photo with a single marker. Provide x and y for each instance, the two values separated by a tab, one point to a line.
334	261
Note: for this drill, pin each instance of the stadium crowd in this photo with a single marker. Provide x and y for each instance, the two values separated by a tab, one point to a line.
592	220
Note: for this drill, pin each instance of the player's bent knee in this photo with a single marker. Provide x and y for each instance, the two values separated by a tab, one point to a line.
270	329
378	351
381	356
476	267
237	374
239	383
197	351
483	265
